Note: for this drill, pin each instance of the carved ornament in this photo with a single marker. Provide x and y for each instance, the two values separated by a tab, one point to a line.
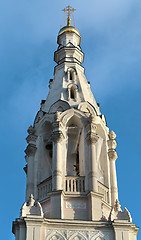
112	135
118	214
112	144
112	155
31	208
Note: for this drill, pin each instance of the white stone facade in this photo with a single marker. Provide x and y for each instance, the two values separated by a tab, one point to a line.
70	159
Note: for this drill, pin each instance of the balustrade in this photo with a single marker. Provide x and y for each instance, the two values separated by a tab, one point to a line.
104	191
44	188
74	184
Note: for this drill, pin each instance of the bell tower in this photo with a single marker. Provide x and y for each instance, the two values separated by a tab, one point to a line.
71	186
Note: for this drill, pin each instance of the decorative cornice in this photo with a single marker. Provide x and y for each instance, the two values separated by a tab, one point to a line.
31	138
30	150
31	130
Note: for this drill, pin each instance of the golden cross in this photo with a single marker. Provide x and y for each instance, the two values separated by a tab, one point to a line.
69	9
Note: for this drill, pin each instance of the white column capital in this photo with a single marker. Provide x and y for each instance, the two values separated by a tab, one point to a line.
57	136
92	137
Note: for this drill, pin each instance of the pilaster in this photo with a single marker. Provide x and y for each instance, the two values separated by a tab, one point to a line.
92	138
57	138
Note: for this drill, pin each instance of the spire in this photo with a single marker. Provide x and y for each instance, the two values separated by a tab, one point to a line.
70	10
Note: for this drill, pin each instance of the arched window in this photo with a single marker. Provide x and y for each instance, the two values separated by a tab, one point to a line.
71	75
72	93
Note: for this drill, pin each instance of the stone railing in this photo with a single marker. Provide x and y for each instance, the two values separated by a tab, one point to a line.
44	188
74	184
104	190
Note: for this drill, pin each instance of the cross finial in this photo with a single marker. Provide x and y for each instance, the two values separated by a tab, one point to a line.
69	10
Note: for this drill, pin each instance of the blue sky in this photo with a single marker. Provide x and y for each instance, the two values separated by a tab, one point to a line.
111	41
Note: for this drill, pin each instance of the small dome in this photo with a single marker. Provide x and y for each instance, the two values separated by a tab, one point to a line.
68	29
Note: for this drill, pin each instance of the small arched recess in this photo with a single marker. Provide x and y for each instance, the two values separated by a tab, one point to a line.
71	72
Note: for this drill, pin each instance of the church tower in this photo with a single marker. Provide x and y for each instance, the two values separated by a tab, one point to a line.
71	187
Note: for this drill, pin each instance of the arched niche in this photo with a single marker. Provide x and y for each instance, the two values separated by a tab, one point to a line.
71	74
59	106
72	91
77	236
68	114
75	147
55	236
87	107
98	236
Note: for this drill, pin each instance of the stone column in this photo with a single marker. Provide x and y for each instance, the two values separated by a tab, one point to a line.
92	138
57	166
112	158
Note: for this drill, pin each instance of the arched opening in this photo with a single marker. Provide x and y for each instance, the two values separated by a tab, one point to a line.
75	156
71	75
72	93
